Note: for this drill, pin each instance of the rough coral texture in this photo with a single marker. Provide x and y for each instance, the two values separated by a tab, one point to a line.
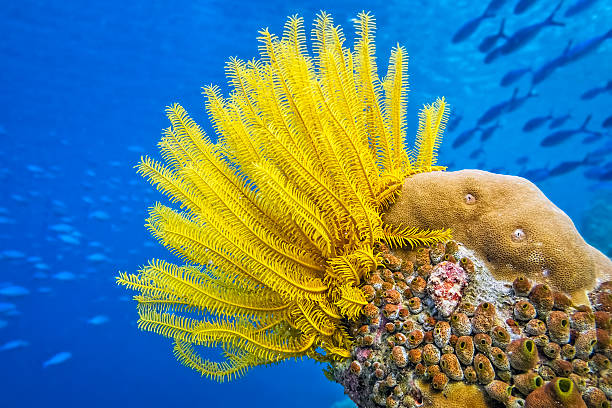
508	222
445	285
480	355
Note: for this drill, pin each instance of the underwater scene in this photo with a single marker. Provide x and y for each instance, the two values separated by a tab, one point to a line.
306	203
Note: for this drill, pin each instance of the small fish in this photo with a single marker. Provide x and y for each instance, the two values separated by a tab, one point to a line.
453	122
7	307
522	160
495	5
595	157
496	110
464	137
136	149
603	174
550	66
520	38
523	5
565	167
61	228
488	132
513	76
99	215
494	54
12	254
558	122
14	291
97	320
468	28
34	168
6	220
592	137
547	69
558	137
535	123
69	239
586	47
593	92
561	136
475	153
536	175
517	102
64	276
489	41
97	257
596	172
14	344
578	7
607	123
58	358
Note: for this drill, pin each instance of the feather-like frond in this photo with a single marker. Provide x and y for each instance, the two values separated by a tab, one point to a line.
310	319
279	219
432	121
376	117
239	334
395	103
351	302
202	292
234	366
167	324
399	236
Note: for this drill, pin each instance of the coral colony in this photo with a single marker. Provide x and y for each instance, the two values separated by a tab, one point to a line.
530	347
309	230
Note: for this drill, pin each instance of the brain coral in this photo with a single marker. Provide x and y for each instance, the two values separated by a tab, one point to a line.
508	221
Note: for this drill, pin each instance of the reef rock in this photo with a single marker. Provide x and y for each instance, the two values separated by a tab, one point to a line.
516	345
508	222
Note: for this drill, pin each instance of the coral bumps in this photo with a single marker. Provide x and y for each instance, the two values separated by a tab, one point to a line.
529	347
278	221
509	222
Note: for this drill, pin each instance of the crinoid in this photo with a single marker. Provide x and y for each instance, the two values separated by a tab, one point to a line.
280	219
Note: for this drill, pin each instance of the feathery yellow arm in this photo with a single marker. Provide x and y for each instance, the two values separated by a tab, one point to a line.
280	217
202	292
371	92
401	236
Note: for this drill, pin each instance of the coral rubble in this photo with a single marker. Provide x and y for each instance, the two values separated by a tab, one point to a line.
510	345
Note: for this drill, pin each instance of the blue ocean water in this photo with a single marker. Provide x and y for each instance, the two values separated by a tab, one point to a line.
84	86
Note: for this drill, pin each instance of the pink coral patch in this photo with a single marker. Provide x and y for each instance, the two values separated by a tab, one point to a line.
363	354
445	285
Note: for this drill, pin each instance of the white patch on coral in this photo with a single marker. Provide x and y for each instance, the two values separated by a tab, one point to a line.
482	286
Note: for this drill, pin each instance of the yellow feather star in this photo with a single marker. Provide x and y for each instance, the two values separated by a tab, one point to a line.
279	219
